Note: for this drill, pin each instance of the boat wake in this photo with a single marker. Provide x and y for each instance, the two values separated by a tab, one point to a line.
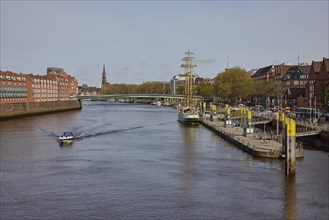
84	136
79	135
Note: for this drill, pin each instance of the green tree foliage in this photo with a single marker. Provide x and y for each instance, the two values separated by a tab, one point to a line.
180	90
233	83
145	88
205	90
271	88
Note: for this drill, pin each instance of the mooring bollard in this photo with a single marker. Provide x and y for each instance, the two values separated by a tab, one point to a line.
290	147
249	130
227	121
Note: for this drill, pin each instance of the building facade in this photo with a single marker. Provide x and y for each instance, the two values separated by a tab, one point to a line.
16	88
322	82
296	76
276	72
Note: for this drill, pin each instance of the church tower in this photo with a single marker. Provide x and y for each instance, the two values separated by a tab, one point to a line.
104	82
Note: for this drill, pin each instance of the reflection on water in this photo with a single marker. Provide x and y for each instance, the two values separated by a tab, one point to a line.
188	163
138	162
290	197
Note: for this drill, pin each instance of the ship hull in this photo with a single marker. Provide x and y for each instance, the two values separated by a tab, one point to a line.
188	119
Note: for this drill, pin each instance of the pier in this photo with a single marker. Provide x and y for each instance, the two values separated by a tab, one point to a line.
255	144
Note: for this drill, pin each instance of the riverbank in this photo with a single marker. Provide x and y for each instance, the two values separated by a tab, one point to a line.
253	145
13	110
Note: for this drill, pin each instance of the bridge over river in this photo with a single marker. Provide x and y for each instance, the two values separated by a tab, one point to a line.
134	97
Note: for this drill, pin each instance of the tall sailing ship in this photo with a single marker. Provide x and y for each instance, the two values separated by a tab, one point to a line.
188	113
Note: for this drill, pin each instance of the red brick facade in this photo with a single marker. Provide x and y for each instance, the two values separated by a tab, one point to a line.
318	81
16	88
322	82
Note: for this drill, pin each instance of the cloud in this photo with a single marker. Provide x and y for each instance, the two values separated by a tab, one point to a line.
205	61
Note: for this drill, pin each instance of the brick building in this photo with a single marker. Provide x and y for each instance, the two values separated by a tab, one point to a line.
272	72
318	81
16	88
296	76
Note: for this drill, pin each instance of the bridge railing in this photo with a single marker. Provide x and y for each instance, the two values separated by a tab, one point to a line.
313	126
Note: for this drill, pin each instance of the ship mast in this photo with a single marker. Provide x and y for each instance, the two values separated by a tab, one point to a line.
188	66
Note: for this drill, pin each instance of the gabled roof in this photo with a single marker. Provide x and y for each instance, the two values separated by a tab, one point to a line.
326	63
296	71
262	71
305	69
316	66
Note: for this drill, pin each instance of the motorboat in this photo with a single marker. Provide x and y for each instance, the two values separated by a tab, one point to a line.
66	138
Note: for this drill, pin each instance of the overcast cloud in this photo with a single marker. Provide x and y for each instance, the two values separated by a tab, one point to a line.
145	41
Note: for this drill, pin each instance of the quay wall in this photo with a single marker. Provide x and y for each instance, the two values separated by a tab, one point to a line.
325	135
251	145
243	146
13	110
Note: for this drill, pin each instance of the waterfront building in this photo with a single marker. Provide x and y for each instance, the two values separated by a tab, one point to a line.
86	90
281	70
320	78
272	72
16	88
179	80
313	75
264	73
44	88
318	82
201	80
296	76
68	85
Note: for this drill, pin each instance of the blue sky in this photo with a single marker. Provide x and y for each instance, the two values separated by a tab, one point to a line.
146	40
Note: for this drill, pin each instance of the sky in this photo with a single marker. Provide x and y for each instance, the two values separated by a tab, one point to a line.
141	41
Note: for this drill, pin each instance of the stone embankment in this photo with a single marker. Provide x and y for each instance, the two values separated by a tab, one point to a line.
12	110
254	145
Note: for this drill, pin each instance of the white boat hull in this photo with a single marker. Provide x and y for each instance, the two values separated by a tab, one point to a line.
66	138
66	141
188	118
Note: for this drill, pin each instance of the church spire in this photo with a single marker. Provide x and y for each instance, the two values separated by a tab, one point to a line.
104	77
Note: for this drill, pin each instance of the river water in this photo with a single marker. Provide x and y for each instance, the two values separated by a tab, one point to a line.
137	162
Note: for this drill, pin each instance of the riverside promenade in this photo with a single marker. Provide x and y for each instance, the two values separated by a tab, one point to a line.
253	145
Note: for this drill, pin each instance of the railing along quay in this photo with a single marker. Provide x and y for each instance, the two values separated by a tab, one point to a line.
256	145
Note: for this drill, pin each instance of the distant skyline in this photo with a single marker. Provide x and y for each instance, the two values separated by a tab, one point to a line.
146	40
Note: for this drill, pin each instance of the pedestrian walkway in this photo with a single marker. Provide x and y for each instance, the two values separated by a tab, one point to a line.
255	145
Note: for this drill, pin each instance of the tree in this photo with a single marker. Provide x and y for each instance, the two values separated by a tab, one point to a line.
271	88
205	90
145	88
180	90
233	83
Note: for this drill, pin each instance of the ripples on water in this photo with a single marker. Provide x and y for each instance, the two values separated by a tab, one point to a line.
137	162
